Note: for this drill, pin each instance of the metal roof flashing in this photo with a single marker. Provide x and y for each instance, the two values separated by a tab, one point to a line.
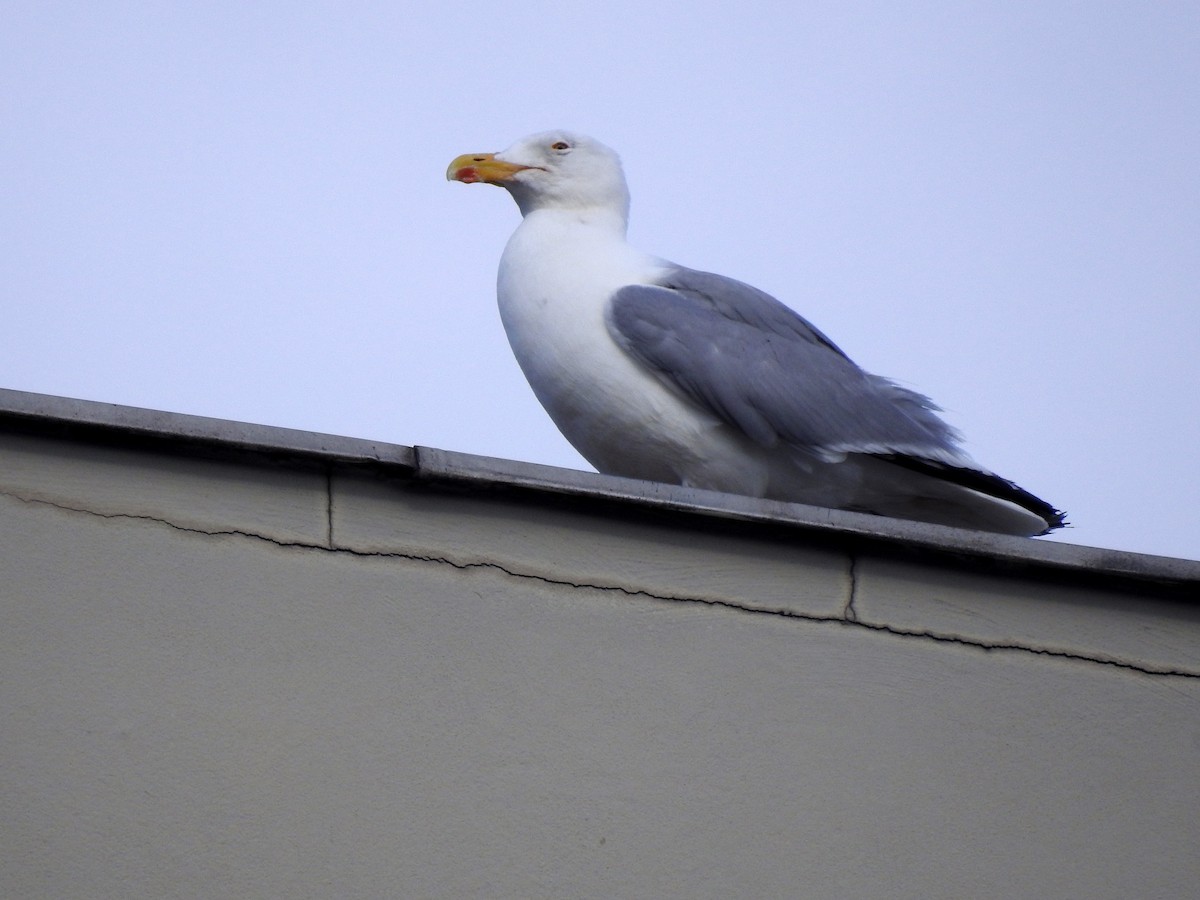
90	421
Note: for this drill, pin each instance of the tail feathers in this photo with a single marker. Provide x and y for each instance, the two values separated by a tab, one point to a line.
985	483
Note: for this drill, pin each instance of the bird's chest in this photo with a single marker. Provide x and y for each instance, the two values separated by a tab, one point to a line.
553	299
553	291
553	311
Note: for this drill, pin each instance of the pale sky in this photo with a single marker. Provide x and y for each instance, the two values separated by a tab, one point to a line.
239	210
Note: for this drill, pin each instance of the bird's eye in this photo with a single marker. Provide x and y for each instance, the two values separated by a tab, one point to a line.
560	145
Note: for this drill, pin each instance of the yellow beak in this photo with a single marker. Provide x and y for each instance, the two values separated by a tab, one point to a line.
472	167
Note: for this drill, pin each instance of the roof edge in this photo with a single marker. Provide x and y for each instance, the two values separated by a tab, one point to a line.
46	413
70	418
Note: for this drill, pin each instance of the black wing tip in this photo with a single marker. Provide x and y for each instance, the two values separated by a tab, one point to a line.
1055	518
986	483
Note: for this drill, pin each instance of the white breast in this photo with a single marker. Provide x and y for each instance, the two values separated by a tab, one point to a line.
556	277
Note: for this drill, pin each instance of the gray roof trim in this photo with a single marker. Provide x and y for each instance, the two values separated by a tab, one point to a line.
40	413
1012	552
45	413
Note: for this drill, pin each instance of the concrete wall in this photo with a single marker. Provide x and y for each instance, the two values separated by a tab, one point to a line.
243	674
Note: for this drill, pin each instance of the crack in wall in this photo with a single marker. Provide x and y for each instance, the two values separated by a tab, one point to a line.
849	617
850	614
329	508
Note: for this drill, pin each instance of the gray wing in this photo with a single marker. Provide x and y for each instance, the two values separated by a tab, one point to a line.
742	354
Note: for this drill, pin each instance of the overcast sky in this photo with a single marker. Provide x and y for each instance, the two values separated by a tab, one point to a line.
239	210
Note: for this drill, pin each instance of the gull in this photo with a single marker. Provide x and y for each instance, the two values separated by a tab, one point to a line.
656	371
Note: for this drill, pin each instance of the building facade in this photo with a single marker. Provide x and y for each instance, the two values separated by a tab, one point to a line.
239	661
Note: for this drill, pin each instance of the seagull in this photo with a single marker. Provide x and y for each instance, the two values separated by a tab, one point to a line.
663	373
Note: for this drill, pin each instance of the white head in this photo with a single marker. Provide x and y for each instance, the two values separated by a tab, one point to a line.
552	170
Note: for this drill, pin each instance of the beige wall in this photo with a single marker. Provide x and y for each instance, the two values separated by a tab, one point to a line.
267	679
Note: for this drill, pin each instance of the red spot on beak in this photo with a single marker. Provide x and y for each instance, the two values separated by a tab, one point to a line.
467	175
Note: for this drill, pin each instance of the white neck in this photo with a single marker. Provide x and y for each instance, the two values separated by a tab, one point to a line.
604	219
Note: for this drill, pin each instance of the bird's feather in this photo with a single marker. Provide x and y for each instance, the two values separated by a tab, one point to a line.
761	367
